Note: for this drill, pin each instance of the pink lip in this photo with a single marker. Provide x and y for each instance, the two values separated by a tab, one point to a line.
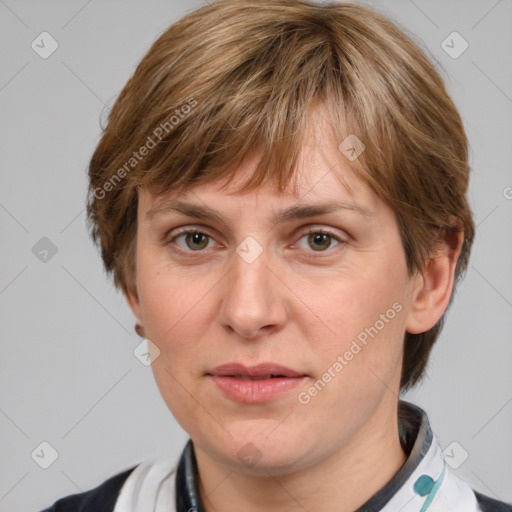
229	378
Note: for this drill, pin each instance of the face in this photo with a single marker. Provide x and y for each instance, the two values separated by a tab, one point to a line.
322	301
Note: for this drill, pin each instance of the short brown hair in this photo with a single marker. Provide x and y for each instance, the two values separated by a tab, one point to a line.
241	75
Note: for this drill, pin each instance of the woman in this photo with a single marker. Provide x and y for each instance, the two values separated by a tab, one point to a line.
280	193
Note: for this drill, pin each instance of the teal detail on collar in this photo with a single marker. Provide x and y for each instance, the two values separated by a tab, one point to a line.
432	491
423	485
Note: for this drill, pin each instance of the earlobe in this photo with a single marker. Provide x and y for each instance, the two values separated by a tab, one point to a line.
434	286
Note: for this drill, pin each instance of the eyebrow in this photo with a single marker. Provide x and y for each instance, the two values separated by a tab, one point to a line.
291	213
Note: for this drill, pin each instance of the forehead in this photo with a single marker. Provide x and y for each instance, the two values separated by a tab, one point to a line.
323	175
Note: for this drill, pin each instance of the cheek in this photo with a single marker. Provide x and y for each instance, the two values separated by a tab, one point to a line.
363	319
175	313
174	319
169	296
359	303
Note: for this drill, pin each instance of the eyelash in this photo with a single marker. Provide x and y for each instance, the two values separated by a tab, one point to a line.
186	231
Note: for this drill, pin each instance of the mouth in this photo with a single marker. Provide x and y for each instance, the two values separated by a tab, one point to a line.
258	372
255	384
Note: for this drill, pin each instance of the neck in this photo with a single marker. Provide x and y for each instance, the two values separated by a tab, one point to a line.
341	482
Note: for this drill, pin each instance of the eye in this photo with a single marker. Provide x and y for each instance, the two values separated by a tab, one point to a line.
320	240
193	239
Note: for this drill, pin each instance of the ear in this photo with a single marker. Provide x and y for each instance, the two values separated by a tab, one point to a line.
434	286
133	301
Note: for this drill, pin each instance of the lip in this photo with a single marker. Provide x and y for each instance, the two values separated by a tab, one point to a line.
259	370
274	380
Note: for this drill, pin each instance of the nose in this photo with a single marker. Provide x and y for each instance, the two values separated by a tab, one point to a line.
253	299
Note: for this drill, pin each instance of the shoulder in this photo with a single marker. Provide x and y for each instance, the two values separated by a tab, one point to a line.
99	499
491	505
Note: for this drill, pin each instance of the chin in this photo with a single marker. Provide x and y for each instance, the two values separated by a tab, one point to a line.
264	452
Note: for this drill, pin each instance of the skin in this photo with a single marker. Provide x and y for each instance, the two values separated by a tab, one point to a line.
301	303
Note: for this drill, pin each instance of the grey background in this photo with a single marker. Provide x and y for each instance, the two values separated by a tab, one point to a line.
68	373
